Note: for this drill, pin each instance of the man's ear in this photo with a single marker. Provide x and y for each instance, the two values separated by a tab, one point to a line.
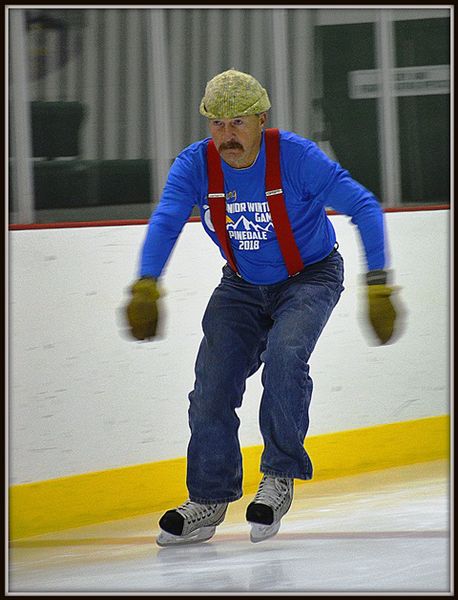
263	118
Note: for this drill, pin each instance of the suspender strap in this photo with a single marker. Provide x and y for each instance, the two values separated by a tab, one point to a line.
275	199
217	202
277	205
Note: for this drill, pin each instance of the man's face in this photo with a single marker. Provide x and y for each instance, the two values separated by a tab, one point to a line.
238	140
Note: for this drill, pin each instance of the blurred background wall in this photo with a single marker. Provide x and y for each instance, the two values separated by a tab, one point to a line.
83	396
102	100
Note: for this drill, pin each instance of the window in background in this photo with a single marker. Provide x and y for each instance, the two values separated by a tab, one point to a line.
424	114
94	145
351	123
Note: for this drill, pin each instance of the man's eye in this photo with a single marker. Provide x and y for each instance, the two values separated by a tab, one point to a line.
238	122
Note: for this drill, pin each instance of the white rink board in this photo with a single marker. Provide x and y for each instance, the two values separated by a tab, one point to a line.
85	398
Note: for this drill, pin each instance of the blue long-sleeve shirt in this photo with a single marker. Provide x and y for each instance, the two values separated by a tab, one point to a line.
311	182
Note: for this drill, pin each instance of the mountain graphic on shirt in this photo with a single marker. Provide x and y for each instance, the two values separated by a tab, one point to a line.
244	223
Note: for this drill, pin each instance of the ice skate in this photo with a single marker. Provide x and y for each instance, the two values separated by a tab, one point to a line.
270	504
190	523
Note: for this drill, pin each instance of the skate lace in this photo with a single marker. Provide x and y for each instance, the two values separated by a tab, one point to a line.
194	512
273	491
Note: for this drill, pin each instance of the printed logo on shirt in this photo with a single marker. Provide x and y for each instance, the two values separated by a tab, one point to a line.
207	217
252	225
230	197
248	223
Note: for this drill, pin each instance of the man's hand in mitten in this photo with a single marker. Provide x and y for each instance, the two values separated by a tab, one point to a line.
382	313
141	310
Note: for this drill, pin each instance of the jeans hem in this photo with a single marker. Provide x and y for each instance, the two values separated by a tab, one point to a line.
272	473
215	500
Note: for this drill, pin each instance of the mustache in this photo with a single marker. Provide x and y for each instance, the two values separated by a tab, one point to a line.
232	145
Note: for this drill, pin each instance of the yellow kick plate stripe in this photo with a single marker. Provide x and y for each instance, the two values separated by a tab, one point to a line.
65	502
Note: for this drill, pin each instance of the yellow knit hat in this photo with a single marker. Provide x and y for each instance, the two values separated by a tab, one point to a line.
233	94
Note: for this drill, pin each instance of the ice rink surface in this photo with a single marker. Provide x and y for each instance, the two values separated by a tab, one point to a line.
383	532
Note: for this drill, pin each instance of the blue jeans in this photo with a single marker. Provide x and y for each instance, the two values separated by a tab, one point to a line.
245	325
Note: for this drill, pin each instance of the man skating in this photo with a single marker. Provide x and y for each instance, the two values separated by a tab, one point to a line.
262	195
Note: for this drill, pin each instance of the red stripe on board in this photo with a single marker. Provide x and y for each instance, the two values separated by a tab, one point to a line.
69	224
115	223
417	208
405	208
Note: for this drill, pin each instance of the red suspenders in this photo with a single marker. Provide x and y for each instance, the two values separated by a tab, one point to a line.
217	202
277	206
275	199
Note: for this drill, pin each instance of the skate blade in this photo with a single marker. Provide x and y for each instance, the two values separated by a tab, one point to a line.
259	532
199	535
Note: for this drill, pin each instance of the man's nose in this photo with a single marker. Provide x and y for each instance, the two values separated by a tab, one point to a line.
229	131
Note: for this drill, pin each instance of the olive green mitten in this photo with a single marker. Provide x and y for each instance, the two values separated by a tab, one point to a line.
382	313
141	311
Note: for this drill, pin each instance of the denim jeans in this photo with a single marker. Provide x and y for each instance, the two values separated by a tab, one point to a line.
244	326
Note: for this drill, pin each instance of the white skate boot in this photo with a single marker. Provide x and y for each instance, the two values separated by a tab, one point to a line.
190	523
270	504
